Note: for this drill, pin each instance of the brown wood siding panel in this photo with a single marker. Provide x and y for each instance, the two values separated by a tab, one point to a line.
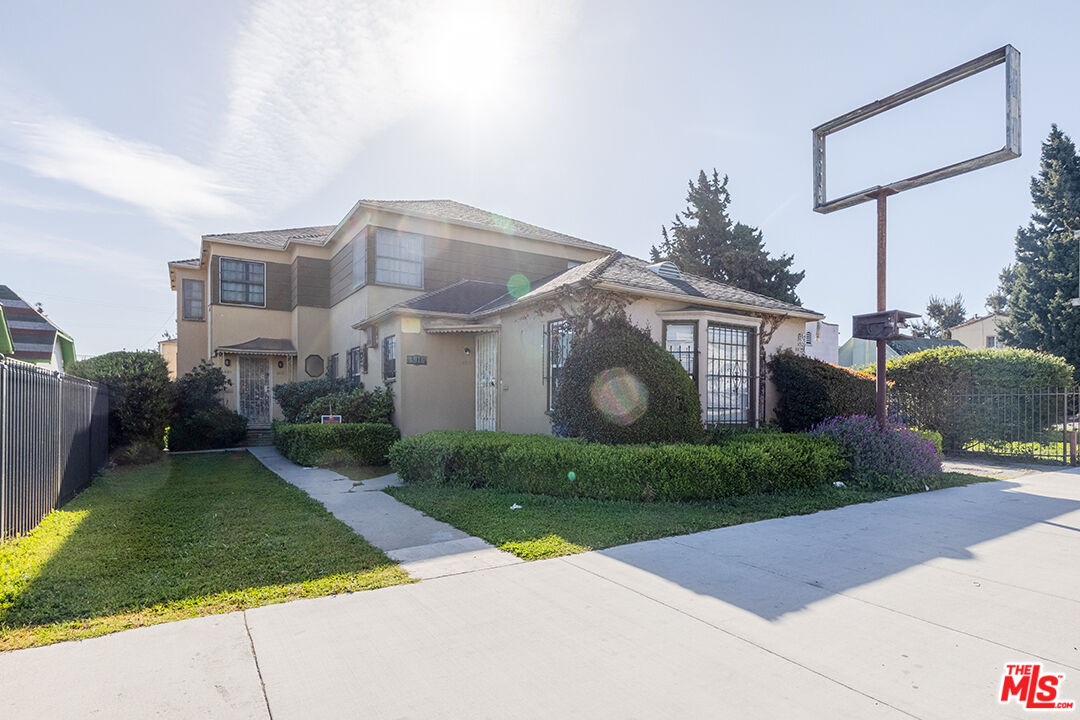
278	286
311	282
448	261
340	274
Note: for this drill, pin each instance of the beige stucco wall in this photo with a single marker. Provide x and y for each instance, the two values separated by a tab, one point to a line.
974	335
192	340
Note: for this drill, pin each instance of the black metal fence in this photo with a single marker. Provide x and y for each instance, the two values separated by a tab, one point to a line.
54	436
1034	424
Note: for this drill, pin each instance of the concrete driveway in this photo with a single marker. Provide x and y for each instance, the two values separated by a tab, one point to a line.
905	608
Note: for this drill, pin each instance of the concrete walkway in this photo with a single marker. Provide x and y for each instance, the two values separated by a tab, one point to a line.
905	608
425	547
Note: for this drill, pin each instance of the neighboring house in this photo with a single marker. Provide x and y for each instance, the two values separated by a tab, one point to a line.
458	310
857	353
821	341
167	350
28	335
979	332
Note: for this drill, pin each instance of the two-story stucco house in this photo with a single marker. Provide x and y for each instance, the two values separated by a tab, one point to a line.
459	310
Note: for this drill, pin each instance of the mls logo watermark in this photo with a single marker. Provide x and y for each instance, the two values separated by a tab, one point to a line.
1027	685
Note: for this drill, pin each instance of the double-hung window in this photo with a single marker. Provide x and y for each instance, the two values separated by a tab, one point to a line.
355	362
389	358
560	333
243	282
680	339
399	258
194	294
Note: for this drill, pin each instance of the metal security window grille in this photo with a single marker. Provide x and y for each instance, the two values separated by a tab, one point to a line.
680	339
729	376
399	258
194	293
560	333
331	367
389	358
359	259
355	362
243	282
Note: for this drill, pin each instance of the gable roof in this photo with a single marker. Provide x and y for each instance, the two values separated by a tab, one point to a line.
25	333
447	211
276	239
978	318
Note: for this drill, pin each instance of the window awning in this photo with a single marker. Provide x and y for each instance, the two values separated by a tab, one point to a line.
446	329
260	346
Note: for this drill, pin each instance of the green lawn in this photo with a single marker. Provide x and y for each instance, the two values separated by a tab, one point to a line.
547	526
187	536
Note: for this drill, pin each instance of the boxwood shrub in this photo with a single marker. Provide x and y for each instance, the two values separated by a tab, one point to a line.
749	463
810	391
366	443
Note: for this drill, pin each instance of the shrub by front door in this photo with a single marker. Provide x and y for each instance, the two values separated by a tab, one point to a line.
253	389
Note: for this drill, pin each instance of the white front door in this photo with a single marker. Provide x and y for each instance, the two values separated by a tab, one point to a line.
487	386
253	389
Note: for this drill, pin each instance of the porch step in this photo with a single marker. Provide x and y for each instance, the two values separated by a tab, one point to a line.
259	437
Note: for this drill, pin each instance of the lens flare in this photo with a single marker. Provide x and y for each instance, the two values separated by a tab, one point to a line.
518	285
619	396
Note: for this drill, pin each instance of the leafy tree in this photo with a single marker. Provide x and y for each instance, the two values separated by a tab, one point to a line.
1041	316
140	394
998	301
705	241
941	314
199	419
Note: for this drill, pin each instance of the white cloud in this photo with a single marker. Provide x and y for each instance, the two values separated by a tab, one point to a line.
135	172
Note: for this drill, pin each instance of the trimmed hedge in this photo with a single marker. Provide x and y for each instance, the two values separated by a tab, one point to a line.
746	464
961	369
366	443
618	386
811	391
357	406
294	396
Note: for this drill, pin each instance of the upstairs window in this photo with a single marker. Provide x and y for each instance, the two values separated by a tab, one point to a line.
193	294
560	333
399	258
243	282
331	367
389	358
359	259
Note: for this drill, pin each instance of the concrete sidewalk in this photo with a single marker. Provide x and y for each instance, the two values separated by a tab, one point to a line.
905	608
425	547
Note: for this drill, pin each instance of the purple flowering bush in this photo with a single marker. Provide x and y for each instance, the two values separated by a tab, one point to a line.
895	458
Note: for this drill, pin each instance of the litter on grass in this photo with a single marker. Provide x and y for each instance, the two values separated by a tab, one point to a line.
839	483
515	506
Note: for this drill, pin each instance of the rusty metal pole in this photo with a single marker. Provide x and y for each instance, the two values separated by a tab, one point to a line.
881	407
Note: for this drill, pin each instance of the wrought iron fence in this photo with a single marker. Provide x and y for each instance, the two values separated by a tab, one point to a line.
1035	424
54	436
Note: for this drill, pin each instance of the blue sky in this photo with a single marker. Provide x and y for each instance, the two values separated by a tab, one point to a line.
129	129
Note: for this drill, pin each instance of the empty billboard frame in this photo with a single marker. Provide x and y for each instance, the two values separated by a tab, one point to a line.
1008	55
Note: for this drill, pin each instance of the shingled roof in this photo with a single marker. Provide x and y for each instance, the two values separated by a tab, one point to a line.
447	211
26	334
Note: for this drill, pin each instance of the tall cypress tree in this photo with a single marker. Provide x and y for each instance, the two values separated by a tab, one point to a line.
1041	316
705	241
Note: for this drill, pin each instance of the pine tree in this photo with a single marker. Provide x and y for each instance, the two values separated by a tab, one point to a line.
941	314
998	301
1041	316
705	241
